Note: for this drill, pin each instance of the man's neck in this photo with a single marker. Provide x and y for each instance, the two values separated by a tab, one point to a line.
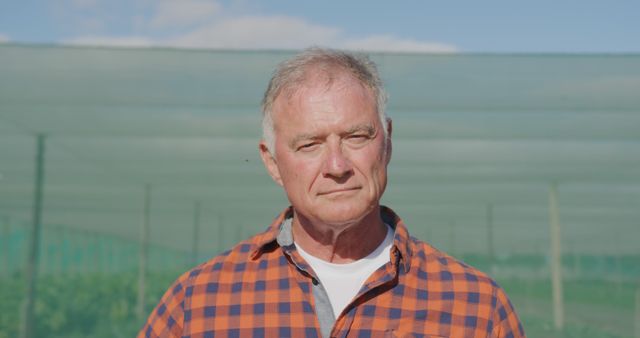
339	243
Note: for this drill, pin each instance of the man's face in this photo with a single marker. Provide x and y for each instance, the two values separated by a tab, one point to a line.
331	155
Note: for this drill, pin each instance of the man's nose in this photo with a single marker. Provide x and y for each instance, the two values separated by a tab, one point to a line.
336	163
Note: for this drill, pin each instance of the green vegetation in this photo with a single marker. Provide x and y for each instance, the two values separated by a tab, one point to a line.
593	308
103	305
584	292
88	305
539	328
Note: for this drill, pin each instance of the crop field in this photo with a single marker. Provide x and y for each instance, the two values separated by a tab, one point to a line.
103	304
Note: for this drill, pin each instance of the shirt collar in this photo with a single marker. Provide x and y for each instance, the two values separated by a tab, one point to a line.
281	235
263	241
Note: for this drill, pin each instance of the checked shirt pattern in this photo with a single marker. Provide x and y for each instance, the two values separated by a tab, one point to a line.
261	288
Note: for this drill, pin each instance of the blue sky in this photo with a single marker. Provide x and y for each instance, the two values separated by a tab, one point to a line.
430	26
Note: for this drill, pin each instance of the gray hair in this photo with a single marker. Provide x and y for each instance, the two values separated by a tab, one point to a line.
292	72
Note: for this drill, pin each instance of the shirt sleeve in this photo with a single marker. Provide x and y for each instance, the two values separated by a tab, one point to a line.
167	318
506	322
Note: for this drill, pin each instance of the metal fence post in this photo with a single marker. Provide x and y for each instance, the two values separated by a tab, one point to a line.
144	253
6	244
31	272
637	316
556	259
196	233
490	247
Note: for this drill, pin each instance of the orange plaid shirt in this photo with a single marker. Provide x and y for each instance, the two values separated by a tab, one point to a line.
263	288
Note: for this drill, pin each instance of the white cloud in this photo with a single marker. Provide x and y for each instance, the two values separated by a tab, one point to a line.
274	32
4	38
261	32
179	13
128	41
389	43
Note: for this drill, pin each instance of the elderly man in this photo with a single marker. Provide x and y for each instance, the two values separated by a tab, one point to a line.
336	263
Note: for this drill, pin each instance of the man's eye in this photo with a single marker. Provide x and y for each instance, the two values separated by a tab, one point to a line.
308	146
358	138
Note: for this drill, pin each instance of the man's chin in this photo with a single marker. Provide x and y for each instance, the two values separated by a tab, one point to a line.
342	214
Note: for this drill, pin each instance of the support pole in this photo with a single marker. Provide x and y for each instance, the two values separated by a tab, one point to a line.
196	233
619	271
556	259
28	319
221	231
144	253
490	248
71	251
99	253
47	249
88	252
110	254
637	320
452	238
6	243
238	233
58	261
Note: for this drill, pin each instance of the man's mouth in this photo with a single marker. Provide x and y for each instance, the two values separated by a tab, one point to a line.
338	190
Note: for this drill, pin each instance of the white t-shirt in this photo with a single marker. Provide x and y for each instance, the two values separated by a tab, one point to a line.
343	281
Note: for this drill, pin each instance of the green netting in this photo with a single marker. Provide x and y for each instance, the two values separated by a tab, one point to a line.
479	140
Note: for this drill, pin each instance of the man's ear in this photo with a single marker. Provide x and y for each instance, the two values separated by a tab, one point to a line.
270	163
388	140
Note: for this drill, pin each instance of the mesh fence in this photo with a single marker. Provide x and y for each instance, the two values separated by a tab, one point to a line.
486	147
